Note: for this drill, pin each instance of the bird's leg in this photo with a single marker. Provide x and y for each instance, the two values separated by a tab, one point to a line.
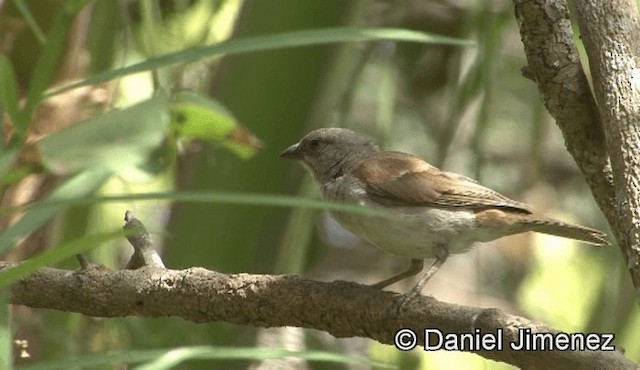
415	266
442	253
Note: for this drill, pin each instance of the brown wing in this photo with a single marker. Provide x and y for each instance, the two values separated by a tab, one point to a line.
394	178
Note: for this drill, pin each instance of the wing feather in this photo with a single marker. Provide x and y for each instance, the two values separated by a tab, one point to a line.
394	178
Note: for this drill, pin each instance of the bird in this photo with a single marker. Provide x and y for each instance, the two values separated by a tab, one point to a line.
425	212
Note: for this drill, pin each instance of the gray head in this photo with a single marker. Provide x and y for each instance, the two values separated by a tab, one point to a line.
329	152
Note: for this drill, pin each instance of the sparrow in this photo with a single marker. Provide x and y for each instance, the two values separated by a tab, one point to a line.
428	213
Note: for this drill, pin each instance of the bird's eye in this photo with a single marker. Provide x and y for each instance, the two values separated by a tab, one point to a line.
314	144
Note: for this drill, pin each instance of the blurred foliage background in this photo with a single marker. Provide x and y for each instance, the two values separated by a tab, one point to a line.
466	109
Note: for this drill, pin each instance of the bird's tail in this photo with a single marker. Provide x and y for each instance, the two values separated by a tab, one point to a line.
558	228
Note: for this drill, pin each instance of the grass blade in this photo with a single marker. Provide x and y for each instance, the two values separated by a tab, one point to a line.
31	21
169	358
247	199
269	42
79	186
9	91
46	65
6	342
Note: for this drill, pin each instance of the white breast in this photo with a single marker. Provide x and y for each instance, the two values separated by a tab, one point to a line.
412	232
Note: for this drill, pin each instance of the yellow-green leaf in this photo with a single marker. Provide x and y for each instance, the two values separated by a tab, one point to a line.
197	117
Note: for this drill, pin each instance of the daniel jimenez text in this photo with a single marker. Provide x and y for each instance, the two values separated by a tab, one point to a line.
526	340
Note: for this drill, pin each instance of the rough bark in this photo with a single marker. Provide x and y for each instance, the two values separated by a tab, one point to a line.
609	30
342	309
604	142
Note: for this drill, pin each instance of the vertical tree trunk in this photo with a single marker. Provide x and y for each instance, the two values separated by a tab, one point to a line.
601	132
610	35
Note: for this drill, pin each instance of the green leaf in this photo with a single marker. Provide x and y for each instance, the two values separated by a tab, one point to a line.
55	255
9	91
31	21
79	186
196	117
269	42
116	140
6	340
8	175
46	65
158	33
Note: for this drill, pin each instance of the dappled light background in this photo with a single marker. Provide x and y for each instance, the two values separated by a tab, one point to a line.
465	109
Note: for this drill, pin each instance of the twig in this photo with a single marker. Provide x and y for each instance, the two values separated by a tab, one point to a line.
144	254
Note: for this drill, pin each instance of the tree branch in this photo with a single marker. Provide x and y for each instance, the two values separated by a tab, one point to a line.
342	309
144	252
554	63
610	35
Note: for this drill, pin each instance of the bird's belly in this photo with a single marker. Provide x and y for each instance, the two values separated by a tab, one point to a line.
415	231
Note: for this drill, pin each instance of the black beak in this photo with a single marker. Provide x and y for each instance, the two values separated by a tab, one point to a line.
292	152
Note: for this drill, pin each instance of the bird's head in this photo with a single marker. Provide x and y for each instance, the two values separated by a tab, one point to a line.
328	152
